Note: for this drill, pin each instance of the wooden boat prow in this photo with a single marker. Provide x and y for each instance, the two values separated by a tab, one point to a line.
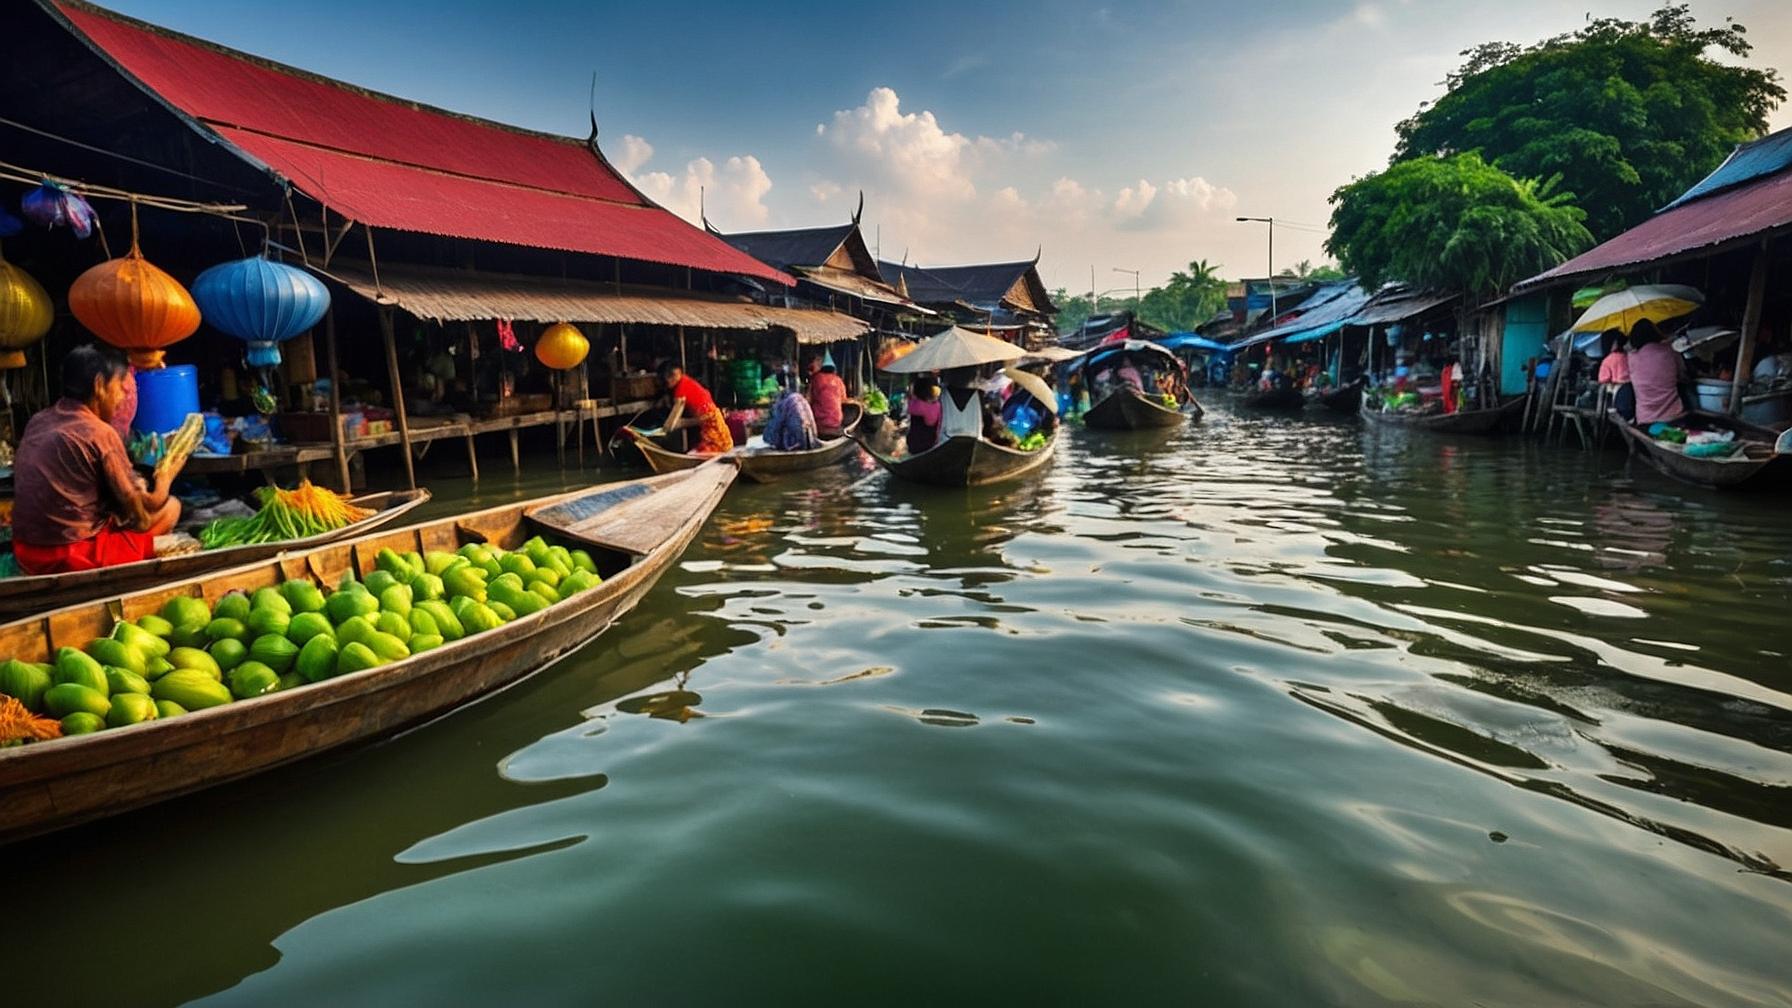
1763	459
764	465
635	532
1129	409
29	593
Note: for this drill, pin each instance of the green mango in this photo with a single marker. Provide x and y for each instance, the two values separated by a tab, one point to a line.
379	580
185	610
274	651
291	680
124	681
387	646
193	658
545	575
234	605
504	612
79	668
317	659
228	653
270	598
190	635
446	623
392	623
303	596
268	621
155	625
156	667
544	591
219	629
517	563
479	618
131	708
67	698
168	709
344	605
422	622
425	587
146	643
581	560
116	653
307	625
193	689
536	548
355	657
82	723
459	605
507	580
252	679
462	582
26	682
397	599
354	630
423	642
436	561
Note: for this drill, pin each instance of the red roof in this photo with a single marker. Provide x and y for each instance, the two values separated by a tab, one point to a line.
396	164
1728	216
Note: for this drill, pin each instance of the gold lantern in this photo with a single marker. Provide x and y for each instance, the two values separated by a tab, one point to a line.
562	346
25	314
135	306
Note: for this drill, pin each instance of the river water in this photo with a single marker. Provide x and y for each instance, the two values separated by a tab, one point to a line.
1259	712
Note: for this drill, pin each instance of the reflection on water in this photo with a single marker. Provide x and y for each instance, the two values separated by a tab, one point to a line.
1261	711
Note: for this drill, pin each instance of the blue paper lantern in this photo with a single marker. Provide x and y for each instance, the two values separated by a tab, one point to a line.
261	302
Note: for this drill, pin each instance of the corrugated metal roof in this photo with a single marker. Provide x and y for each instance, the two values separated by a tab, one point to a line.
1396	303
465	296
1767	156
1751	210
1332	303
392	163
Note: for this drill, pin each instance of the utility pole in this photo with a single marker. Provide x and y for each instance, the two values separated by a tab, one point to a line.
1271	221
1135	288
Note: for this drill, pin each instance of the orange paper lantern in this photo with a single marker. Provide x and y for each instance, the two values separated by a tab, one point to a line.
562	346
135	306
25	314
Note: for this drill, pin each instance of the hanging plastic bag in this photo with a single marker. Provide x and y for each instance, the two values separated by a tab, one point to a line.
52	204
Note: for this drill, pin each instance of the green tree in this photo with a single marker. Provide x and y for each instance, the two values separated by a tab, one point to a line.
1074	309
1191	297
1628	113
1305	270
1454	223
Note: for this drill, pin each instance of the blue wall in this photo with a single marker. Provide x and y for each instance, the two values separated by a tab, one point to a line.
1527	331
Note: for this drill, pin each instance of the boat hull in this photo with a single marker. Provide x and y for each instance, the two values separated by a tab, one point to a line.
33	593
1761	471
1344	399
1482	421
966	462
1128	410
1282	400
52	785
763	465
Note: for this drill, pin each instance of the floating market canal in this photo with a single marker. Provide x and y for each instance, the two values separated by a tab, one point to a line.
1256	712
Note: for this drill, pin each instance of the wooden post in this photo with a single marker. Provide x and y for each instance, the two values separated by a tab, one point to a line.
336	435
1751	321
404	422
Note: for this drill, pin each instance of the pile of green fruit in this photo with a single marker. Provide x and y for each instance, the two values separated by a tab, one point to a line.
191	656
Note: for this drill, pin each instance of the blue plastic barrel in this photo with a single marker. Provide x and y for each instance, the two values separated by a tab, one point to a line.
164	398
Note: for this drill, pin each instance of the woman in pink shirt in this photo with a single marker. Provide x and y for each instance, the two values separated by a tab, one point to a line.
1614	370
1656	372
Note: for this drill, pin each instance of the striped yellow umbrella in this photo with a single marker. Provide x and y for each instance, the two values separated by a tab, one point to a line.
1623	309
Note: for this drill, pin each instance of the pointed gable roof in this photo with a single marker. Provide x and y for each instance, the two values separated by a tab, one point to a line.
391	163
1015	285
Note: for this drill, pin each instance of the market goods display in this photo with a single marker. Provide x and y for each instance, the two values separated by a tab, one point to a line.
299	513
181	444
191	656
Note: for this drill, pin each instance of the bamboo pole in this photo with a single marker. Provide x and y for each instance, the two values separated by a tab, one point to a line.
398	410
336	435
1751	321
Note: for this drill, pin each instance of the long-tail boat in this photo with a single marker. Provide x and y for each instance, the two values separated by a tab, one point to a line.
763	465
1763	458
30	593
634	530
1125	407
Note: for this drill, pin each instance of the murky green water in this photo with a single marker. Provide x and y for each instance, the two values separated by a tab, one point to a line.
1264	712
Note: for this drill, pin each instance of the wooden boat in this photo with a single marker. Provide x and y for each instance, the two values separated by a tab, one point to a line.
1476	421
966	462
1760	461
1129	409
30	593
1343	399
634	530
1285	399
764	465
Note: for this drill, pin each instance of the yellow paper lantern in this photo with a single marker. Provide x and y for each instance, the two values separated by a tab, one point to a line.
562	346
135	306
25	314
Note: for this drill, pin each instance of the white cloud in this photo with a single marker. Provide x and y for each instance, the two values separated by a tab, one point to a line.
732	193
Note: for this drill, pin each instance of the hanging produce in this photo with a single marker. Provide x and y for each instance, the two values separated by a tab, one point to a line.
54	205
562	346
261	302
133	305
25	314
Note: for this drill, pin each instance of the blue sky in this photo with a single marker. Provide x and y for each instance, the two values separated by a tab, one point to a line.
1119	136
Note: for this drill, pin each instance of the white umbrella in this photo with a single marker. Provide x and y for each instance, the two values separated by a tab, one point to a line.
1625	308
1035	385
955	348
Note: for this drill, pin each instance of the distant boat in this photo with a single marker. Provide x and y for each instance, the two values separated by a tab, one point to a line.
1285	399
1474	421
1128	408
764	465
1343	399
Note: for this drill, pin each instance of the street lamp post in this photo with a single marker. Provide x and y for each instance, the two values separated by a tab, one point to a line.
1135	288
1271	221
